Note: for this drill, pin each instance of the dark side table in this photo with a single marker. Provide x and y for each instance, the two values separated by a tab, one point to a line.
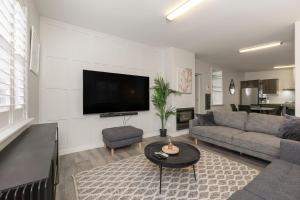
188	156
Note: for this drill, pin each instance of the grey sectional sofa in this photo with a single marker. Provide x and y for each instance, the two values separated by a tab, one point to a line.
257	135
254	134
280	180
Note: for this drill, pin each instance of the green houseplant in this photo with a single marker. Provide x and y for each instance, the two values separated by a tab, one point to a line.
159	99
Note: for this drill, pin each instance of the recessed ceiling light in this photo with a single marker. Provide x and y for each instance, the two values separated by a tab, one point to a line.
284	67
187	5
260	47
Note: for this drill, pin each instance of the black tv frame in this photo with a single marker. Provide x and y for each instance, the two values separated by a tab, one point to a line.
121	112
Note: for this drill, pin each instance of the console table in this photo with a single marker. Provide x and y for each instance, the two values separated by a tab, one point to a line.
29	164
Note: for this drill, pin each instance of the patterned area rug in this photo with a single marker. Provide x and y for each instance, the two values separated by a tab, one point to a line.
137	178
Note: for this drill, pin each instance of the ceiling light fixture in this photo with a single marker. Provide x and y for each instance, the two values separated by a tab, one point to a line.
284	67
260	47
181	9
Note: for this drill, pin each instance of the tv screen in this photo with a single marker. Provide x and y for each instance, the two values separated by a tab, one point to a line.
108	92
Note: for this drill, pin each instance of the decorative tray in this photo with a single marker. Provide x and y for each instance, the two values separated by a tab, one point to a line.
172	151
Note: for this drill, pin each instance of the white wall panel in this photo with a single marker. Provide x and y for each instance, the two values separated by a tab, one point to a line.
54	105
54	73
119	53
63	132
66	51
74	103
102	50
150	59
134	56
55	40
80	44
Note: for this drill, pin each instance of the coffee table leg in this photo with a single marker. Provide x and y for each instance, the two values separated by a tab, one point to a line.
160	175
194	172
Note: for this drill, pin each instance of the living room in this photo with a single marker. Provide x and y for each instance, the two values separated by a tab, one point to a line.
181	66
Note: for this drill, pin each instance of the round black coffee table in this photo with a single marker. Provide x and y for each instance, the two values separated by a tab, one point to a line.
188	155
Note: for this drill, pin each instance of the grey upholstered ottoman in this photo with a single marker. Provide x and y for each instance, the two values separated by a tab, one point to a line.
121	136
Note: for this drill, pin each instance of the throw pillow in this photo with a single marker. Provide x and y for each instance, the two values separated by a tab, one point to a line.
206	119
291	130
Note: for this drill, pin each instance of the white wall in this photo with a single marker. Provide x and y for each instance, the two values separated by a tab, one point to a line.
297	69
286	81
175	58
204	69
33	80
228	98
66	51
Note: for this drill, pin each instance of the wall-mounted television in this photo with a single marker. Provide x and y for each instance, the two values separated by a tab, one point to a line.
105	92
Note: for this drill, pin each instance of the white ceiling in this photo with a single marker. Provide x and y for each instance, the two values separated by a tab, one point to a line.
214	30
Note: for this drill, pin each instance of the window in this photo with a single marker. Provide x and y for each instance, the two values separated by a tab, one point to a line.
13	61
217	87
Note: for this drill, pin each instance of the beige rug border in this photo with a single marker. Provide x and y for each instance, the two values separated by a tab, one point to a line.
75	187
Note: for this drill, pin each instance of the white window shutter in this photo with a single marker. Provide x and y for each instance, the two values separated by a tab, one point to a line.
20	56
6	50
217	87
13	58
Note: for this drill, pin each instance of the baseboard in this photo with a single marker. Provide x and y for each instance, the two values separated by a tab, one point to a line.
179	133
78	149
94	146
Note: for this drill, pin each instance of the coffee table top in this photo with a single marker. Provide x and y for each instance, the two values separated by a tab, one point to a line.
188	155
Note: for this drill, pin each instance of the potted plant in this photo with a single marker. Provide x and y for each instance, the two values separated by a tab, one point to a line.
159	99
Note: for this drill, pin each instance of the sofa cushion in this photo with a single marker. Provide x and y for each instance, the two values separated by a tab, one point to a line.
206	119
219	133
262	123
290	151
259	142
231	119
279	180
291	129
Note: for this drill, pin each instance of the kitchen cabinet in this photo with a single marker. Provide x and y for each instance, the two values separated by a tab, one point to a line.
250	84
287	84
270	86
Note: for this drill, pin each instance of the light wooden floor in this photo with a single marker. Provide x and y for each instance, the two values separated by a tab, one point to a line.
85	160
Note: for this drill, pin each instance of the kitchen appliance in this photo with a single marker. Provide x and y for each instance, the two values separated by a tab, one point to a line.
249	96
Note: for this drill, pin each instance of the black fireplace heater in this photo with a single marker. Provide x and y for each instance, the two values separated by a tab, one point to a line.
183	116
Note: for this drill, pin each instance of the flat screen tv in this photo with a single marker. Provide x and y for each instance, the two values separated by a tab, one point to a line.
109	92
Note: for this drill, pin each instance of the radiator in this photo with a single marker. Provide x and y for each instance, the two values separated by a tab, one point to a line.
40	190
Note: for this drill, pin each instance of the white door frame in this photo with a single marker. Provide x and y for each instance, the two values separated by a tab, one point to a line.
199	93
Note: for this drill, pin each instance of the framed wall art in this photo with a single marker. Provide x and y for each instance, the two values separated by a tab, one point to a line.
34	52
185	78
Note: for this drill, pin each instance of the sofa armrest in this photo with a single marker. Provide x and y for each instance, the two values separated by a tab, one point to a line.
290	151
192	123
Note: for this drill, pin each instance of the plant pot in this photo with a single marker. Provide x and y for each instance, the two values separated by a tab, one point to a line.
163	132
